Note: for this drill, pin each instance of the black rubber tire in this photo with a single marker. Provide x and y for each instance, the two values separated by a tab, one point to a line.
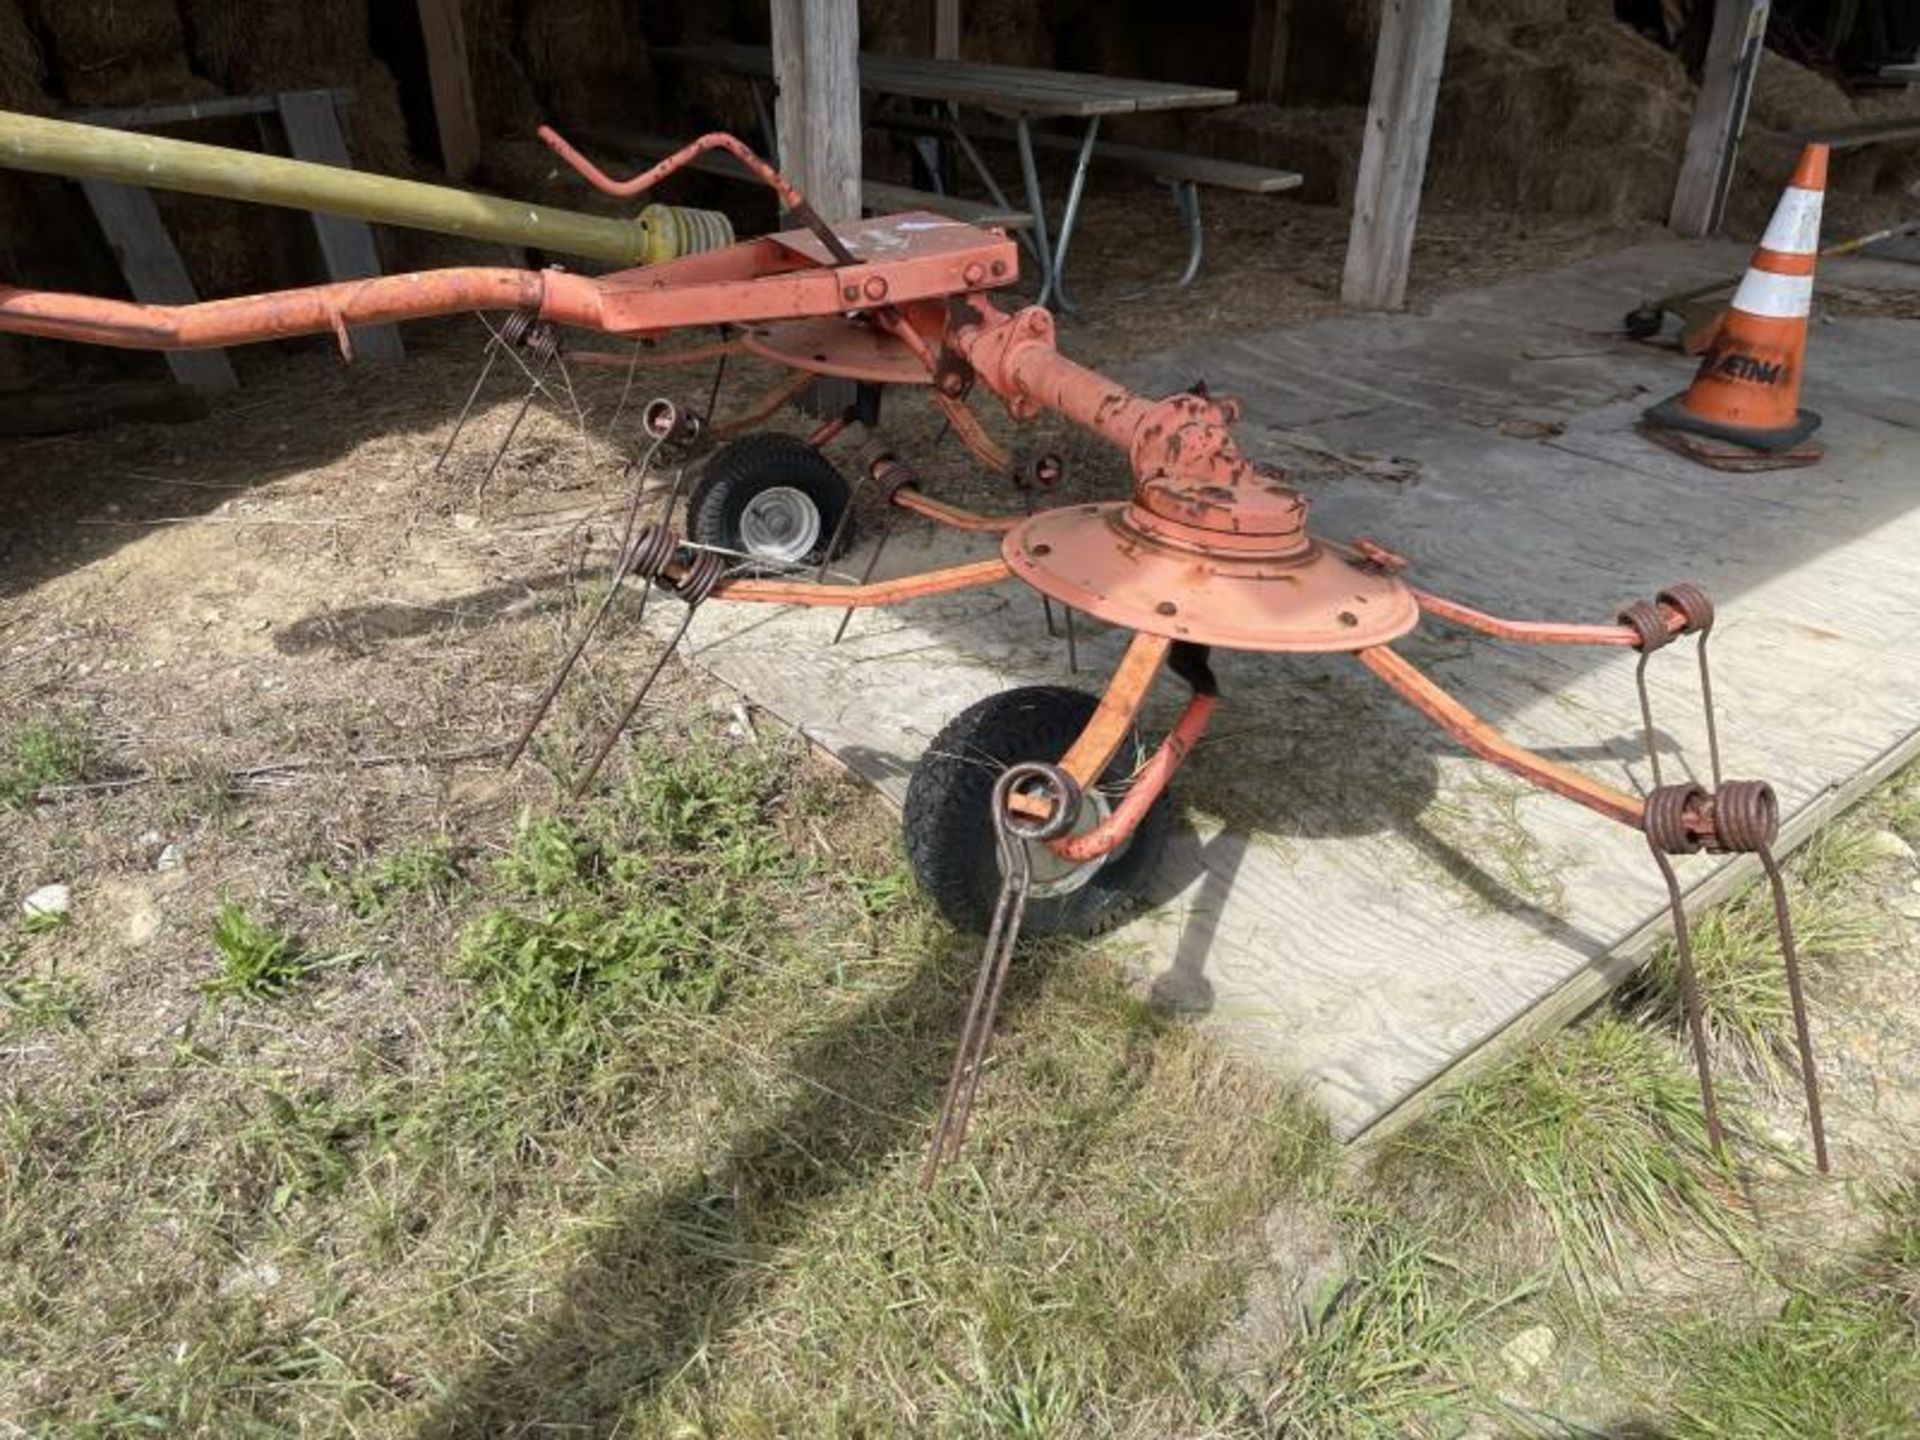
949	827
741	469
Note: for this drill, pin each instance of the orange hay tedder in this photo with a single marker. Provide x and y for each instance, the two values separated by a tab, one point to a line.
1029	809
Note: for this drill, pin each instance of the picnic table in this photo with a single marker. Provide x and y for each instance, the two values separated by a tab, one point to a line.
1011	93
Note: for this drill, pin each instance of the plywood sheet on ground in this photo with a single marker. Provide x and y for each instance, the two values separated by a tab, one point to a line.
1351	900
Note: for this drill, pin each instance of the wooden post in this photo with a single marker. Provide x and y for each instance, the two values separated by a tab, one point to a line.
155	274
1267	55
1719	115
816	65
347	247
1393	160
454	115
946	29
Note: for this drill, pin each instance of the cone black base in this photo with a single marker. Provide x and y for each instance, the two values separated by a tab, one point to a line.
1672	414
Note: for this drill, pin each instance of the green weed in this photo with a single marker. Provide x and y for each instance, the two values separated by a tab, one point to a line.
38	1002
255	961
1839	1358
56	750
311	1145
1598	1132
1383	1350
430	870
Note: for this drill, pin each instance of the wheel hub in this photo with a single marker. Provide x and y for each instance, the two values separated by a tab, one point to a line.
780	524
1054	876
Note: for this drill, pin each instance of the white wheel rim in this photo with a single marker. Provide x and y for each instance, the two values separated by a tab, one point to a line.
780	524
1053	876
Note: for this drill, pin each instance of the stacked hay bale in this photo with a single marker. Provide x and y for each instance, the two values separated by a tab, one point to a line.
1546	106
118	52
1553	105
21	75
588	60
258	48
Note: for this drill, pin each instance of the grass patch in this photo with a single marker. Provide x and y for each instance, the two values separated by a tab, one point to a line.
1736	953
655	900
1384	1350
256	962
1839	1358
1597	1133
51	750
432	871
37	1002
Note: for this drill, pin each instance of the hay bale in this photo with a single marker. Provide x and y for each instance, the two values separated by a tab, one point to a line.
1787	96
502	95
1006	32
267	45
22	68
377	131
588	61
1321	142
117	52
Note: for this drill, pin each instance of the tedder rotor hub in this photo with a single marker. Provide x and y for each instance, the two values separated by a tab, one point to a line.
1212	549
1118	563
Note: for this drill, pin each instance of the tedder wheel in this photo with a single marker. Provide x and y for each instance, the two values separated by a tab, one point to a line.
949	825
771	496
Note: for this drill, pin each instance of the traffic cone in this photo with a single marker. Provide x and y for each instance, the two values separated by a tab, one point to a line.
1742	411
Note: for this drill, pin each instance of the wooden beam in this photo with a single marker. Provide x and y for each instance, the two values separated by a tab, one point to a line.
1393	160
155	273
1719	116
347	248
816	65
451	78
1267	54
946	29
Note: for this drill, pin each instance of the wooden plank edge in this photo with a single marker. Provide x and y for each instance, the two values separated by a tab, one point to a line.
1585	990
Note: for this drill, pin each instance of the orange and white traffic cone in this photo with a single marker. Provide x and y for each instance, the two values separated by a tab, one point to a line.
1742	411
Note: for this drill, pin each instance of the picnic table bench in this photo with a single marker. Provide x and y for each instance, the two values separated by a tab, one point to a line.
1017	97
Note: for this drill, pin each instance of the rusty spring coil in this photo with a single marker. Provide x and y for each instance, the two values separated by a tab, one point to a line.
1693	604
1743	817
514	328
889	472
1649	626
656	547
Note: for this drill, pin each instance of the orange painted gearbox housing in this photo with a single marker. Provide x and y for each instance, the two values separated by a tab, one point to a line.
1212	548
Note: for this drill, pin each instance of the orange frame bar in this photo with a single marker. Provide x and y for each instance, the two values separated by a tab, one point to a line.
1489	744
1540	632
840	597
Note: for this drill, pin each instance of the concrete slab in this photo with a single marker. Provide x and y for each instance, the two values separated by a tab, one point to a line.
1352	901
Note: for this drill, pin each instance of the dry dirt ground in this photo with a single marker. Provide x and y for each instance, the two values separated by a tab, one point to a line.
283	654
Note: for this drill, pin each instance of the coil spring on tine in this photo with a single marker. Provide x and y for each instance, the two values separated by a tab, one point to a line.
1643	617
1694	605
704	572
1665	819
543	343
514	328
888	471
651	552
1746	816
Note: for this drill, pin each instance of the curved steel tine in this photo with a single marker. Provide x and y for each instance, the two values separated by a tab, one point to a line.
547	697
866	574
1690	1000
1646	720
492	353
513	429
581	785
1706	700
1802	1034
